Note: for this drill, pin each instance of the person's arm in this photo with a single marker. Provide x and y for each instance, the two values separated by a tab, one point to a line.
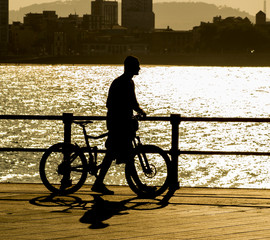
135	105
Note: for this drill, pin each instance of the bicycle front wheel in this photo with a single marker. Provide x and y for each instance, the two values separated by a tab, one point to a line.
63	168
148	173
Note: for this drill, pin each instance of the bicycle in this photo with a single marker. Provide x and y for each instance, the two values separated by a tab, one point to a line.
64	168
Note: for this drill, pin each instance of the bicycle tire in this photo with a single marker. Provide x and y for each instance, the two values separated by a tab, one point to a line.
52	169
153	184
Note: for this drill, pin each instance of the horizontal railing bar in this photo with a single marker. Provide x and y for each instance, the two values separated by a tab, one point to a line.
224	153
48	117
167	151
23	149
30	117
34	150
149	118
60	117
220	119
98	118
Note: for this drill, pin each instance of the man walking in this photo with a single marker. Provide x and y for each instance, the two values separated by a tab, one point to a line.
120	104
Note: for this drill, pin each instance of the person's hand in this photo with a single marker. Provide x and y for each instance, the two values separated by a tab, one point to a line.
143	114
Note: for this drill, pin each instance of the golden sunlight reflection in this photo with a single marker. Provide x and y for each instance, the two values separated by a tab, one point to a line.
161	91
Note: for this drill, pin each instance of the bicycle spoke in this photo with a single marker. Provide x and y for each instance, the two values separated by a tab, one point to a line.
59	174
148	174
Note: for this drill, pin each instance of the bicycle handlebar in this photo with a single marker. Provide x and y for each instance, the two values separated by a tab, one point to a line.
139	116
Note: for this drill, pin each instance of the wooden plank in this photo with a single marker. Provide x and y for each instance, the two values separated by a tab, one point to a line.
193	213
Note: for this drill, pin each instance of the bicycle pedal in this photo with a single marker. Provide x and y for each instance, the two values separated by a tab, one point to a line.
93	171
65	184
151	189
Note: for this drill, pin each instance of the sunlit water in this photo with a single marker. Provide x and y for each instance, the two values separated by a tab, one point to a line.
161	90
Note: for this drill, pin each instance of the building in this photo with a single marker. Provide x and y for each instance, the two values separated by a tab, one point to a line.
43	25
138	15
168	41
40	21
260	18
59	46
107	11
35	20
23	40
91	22
3	27
106	44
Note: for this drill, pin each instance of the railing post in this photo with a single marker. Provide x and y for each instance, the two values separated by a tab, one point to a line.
67	120
175	121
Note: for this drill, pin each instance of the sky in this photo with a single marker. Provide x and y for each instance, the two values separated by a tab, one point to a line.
250	6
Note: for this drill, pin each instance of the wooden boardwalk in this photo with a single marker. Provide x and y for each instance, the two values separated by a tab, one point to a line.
28	211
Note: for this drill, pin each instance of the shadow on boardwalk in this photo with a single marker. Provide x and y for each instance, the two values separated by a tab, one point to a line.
28	211
99	210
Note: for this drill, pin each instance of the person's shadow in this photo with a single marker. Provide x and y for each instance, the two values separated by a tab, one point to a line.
102	210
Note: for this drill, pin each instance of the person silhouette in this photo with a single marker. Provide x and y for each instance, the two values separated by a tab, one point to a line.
120	104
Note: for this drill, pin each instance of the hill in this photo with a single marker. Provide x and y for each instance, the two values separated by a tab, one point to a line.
184	16
179	16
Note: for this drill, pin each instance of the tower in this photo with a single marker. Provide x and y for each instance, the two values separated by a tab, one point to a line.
107	11
3	27
138	14
264	7
260	18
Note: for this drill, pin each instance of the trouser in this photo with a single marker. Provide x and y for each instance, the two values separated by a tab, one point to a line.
119	145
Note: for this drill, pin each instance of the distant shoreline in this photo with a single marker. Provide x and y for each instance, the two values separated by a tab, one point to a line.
241	60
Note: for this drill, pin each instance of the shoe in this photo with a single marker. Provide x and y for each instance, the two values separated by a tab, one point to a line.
120	160
101	188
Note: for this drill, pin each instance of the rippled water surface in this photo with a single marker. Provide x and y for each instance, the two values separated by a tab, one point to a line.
161	90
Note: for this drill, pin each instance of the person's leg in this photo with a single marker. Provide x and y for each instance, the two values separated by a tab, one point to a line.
106	163
99	185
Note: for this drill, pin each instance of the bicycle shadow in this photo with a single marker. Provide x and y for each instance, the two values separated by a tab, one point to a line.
98	210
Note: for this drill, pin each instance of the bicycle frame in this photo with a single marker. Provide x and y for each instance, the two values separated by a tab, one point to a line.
92	151
142	157
92	161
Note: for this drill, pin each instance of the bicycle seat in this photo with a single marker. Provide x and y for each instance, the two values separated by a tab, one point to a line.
83	123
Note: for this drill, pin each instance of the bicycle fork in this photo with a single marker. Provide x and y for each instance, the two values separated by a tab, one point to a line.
143	158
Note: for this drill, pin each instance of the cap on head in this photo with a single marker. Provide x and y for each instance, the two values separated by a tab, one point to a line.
131	64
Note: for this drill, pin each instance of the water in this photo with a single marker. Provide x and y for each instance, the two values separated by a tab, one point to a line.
161	90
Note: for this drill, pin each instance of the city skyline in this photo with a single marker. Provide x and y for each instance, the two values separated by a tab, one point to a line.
3	27
249	6
76	35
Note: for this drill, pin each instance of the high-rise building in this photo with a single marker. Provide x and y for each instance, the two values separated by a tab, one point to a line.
138	14
3	27
107	11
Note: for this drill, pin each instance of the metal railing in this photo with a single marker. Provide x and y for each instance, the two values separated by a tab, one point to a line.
67	119
174	119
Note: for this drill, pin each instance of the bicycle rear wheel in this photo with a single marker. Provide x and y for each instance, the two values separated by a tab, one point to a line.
155	179
63	168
